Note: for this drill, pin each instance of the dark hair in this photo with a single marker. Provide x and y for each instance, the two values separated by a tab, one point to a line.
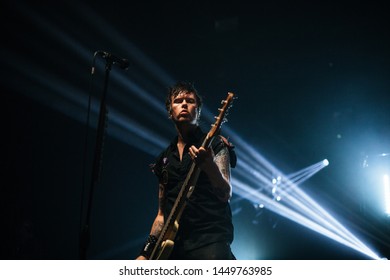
180	87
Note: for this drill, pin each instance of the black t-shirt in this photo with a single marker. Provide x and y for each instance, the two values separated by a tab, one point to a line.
205	219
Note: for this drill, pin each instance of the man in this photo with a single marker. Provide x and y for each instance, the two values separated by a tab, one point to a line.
205	228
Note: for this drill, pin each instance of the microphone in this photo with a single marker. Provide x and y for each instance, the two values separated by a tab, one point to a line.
122	62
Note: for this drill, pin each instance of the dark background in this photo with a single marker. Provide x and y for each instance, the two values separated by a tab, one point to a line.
312	81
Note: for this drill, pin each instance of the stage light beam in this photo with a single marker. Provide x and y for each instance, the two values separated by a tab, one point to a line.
386	186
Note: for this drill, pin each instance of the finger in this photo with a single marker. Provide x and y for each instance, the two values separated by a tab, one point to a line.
192	153
196	151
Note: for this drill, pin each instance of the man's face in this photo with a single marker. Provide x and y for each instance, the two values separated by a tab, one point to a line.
184	108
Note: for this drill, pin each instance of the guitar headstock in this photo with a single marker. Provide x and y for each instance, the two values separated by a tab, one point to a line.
221	118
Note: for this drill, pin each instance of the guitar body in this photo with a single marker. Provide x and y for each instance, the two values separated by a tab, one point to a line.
165	250
165	242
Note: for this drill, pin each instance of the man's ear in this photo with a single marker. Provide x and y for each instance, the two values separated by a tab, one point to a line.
198	114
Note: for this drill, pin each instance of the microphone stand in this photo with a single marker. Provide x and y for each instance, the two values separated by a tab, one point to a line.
97	163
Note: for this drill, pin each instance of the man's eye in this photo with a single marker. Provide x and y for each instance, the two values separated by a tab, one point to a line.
179	100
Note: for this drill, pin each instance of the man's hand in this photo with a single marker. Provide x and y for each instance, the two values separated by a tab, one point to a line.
202	157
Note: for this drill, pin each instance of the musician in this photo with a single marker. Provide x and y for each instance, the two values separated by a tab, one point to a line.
205	228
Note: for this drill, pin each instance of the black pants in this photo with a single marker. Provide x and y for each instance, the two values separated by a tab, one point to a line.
212	251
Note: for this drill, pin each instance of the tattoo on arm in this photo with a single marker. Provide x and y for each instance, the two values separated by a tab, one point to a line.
161	198
222	160
159	221
156	228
